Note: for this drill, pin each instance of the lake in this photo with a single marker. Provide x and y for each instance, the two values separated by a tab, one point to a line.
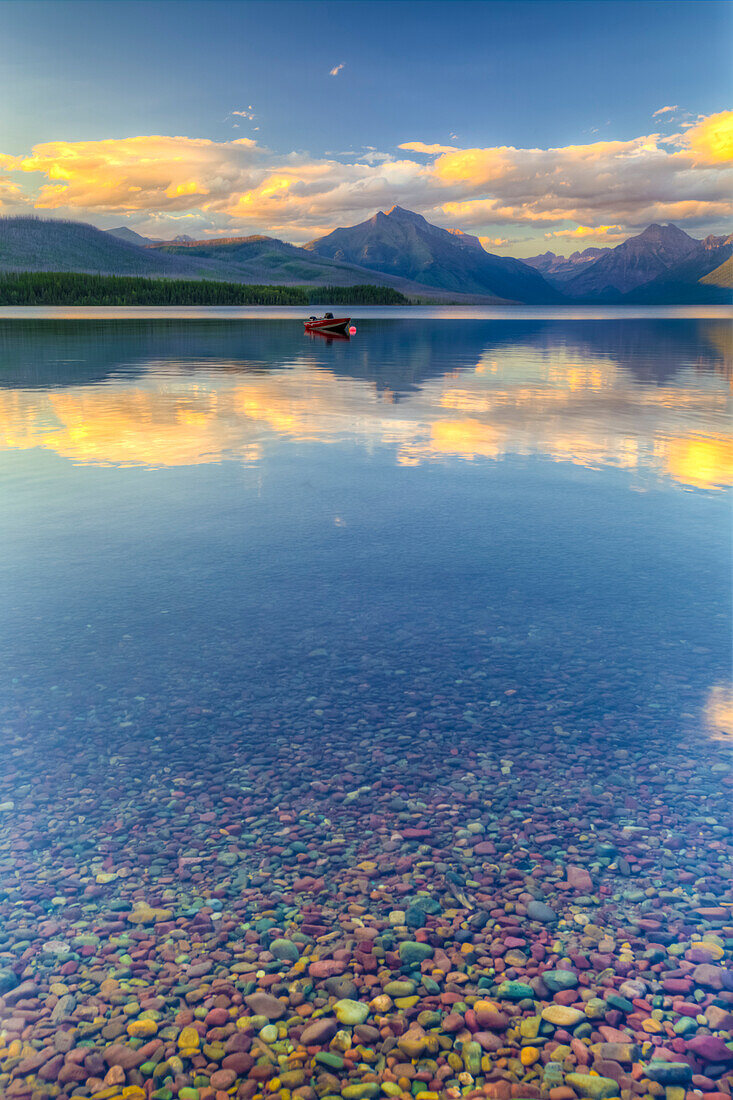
351	686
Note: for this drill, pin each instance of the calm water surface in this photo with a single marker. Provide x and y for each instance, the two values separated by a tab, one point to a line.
244	564
215	500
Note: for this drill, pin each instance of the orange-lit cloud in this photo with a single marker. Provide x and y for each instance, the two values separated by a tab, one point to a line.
608	232
139	174
710	141
224	185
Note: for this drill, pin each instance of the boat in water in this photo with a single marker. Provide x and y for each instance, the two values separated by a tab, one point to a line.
328	323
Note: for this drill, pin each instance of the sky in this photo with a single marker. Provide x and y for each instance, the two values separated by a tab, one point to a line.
535	125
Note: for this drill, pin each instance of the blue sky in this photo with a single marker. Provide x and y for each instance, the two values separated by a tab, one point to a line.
463	76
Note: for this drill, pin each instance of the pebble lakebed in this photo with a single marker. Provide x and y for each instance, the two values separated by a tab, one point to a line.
542	912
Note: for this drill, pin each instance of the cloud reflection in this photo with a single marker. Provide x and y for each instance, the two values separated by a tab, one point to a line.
528	401
719	711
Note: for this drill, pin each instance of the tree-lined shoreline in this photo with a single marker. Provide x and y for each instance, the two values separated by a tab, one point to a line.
58	288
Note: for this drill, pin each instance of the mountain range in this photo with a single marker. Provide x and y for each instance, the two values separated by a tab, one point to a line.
399	248
405	244
661	264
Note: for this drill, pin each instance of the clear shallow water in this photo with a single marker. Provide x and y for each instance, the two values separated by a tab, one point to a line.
261	585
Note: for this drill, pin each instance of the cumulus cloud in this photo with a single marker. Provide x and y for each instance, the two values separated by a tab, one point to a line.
336	69
11	193
710	141
665	111
575	191
635	181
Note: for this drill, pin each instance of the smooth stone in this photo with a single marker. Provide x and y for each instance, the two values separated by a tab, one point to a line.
710	1048
8	981
557	980
562	1015
712	977
595	1088
489	1041
342	988
669	1073
366	1090
412	1043
472	1053
264	1004
529	1028
350	1012
189	1039
319	1032
515	991
413	952
285	950
625	1053
330	1059
222	1079
399	988
537	910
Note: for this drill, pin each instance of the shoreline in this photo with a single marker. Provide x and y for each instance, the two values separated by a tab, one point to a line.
364	312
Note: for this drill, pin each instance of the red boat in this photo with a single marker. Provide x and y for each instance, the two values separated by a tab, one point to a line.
327	323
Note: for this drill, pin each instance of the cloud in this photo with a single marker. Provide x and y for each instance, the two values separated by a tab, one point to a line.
576	191
710	141
608	232
623	183
336	69
421	147
665	111
147	174
246	112
10	193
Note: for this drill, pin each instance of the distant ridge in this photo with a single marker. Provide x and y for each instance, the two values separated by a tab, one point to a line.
558	269
35	244
129	235
262	259
638	261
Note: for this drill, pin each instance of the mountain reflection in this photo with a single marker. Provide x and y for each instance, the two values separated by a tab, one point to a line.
583	393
